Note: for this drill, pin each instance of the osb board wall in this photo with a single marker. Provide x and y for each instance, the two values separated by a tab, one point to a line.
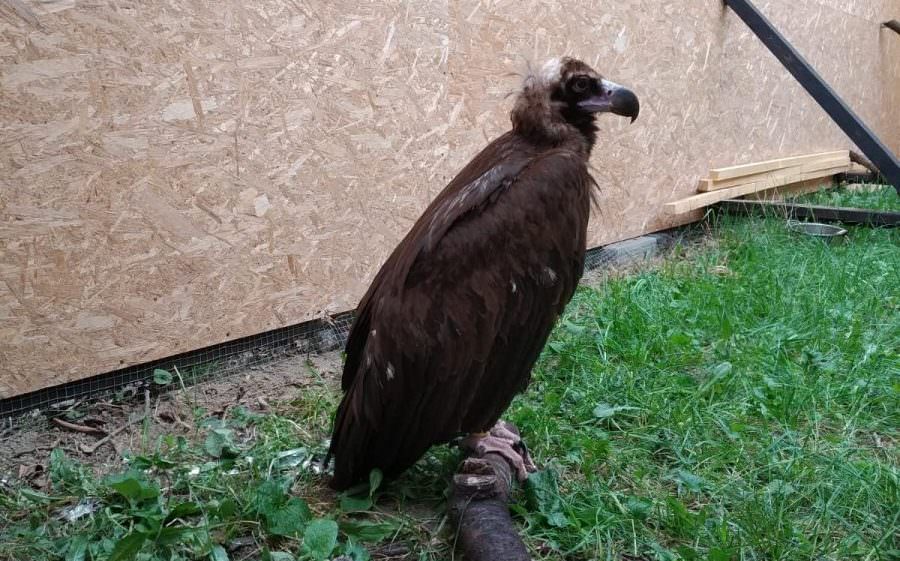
177	174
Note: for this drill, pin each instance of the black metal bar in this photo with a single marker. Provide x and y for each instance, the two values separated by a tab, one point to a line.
850	123
893	24
865	216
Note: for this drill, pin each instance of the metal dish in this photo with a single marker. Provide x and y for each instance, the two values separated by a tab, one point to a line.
816	229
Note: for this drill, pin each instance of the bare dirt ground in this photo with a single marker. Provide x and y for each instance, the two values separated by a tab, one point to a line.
25	449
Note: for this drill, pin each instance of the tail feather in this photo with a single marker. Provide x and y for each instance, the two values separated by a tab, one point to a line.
357	447
354	447
347	444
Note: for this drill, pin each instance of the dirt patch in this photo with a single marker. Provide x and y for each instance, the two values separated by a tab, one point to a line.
598	276
131	423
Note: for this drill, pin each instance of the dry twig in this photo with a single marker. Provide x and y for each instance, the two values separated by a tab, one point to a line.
77	428
90	449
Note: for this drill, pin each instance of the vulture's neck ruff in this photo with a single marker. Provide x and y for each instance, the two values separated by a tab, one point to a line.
559	104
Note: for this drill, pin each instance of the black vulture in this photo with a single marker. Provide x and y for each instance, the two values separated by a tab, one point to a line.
452	324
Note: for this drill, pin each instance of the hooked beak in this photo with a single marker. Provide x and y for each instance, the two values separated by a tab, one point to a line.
613	98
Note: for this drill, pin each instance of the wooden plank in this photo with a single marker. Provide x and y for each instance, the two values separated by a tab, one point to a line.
870	217
793	190
707	185
705	199
719	174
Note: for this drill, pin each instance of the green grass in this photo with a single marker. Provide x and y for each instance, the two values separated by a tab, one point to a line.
741	401
875	197
249	480
739	404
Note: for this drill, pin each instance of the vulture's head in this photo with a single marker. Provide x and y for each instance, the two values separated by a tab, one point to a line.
564	98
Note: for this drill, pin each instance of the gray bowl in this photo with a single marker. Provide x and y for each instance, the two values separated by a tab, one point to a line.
816	229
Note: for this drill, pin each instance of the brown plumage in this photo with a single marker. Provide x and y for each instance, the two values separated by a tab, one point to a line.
451	326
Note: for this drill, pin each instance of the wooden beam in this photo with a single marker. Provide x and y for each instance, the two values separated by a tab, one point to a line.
719	174
825	162
705	199
793	190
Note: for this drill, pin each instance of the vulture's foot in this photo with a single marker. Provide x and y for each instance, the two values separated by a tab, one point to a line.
504	440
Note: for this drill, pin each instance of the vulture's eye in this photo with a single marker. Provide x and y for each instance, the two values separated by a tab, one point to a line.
581	84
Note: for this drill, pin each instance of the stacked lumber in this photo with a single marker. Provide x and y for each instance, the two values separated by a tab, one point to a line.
747	179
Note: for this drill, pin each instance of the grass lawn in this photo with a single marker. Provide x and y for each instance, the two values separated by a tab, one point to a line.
738	401
878	197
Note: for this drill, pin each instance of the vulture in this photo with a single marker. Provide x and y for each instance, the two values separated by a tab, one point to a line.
453	322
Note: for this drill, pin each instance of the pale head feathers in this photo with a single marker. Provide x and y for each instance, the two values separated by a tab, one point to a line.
551	71
554	71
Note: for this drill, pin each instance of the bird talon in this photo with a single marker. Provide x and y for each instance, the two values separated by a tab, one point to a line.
521	448
504	441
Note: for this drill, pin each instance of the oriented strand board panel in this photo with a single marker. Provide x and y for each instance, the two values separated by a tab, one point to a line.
175	174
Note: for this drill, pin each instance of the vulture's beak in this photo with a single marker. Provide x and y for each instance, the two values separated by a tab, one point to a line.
613	98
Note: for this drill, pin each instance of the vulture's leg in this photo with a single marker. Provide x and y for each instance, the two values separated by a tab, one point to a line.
504	440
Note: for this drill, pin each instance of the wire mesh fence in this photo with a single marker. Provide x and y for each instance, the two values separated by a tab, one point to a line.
188	368
231	357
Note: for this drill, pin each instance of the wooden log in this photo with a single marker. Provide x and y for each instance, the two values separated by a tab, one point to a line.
479	497
862	161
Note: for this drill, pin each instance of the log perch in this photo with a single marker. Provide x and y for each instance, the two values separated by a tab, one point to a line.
478	508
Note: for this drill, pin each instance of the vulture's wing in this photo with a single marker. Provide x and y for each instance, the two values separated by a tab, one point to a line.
452	324
497	164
